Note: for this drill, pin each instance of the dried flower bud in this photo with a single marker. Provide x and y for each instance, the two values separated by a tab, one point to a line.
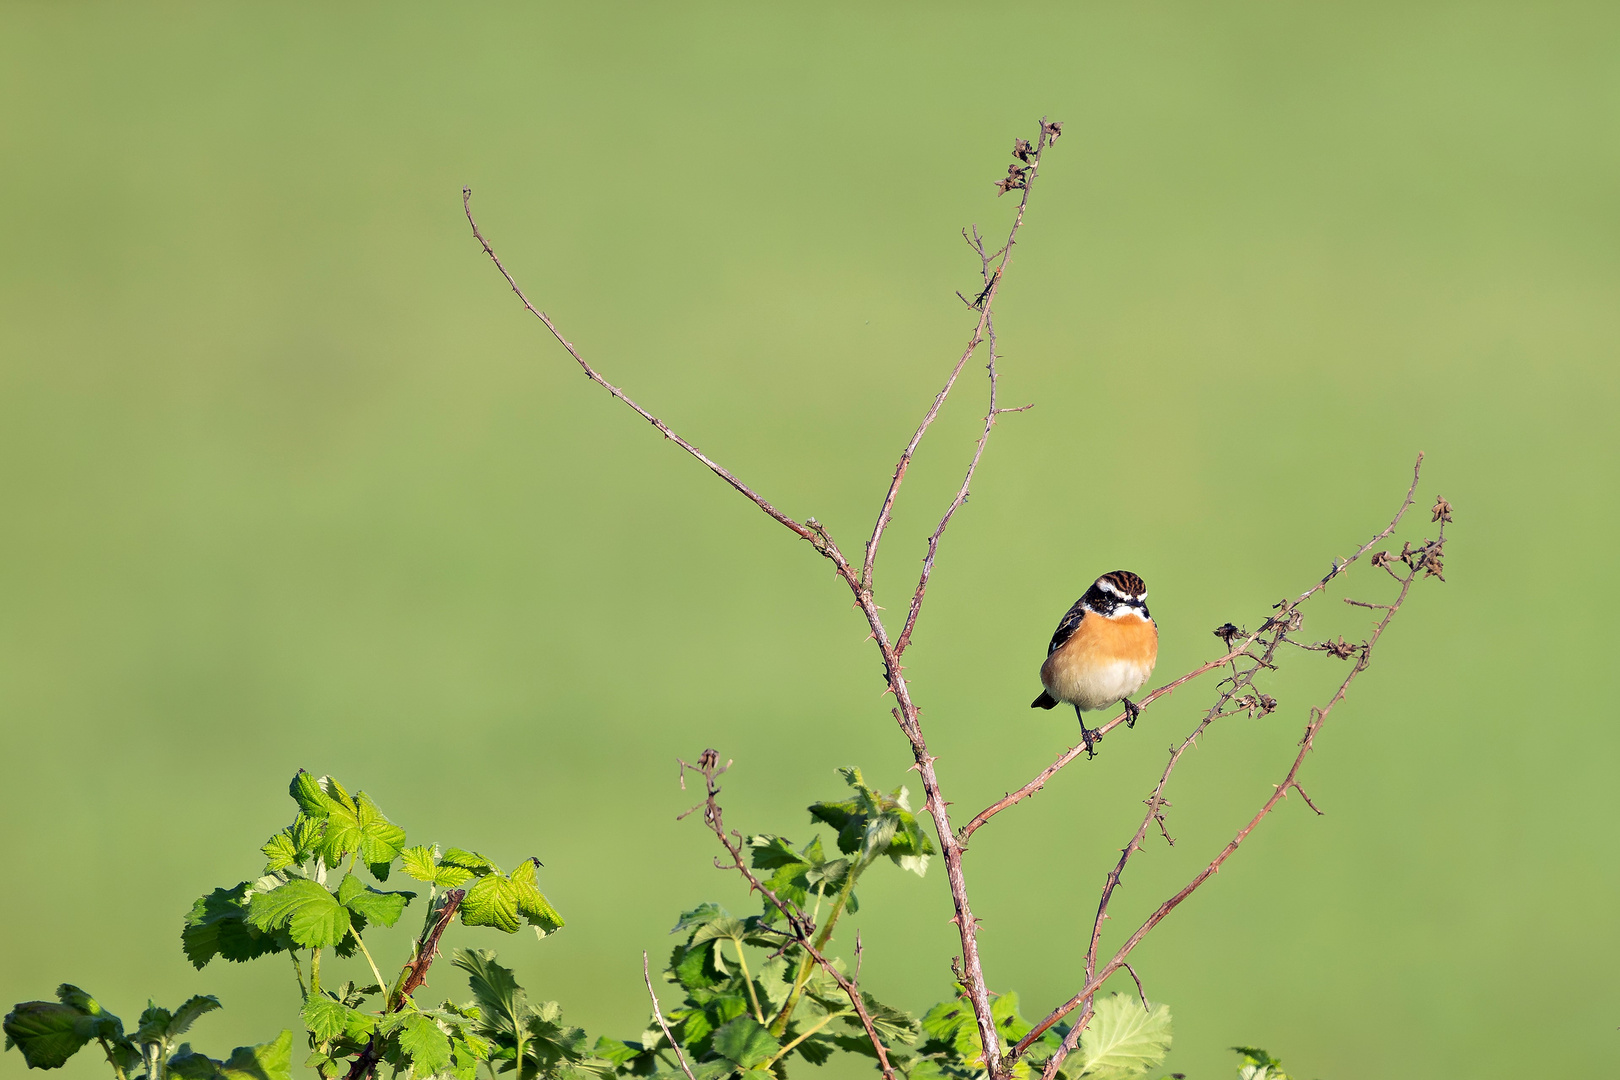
1442	510
1015	179
1022	150
1380	558
1052	129
1433	567
1228	633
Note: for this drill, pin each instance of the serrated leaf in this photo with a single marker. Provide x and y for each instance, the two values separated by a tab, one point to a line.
266	1061
187	1014
189	1065
323	1017
427	1047
469	861
420	862
698	916
531	903
311	916
308	793
501	1000
216	926
356	825
894	1025
375	906
745	1042
154	1024
1124	1040
876	824
46	1032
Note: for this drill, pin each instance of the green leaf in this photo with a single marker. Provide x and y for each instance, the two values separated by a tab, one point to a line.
266	1061
193	1066
421	863
311	915
1124	1040
894	1025
501	1000
216	926
531	903
324	1018
472	862
383	908
308	791
1259	1065
874	824
427	1047
187	1014
503	902
46	1032
356	825
154	1024
745	1043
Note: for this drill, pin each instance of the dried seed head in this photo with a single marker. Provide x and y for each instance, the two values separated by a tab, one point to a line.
1228	633
1052	129
1341	648
1380	558
1022	150
1014	180
1442	510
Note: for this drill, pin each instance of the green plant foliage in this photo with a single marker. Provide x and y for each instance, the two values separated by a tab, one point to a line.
744	999
1124	1040
49	1033
1258	1065
874	824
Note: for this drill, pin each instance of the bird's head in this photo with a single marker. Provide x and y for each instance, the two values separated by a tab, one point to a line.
1117	594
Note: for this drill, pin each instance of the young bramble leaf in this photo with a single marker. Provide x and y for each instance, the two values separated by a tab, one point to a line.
470	861
384	908
187	1014
420	862
531	903
46	1032
427	1047
266	1061
745	1042
503	902
874	824
216	926
1124	1040
501	1000
311	916
324	1018
356	825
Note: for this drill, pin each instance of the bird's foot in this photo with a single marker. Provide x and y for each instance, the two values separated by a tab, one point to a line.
1132	711
1091	739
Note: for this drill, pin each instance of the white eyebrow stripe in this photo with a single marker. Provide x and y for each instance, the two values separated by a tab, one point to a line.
1108	586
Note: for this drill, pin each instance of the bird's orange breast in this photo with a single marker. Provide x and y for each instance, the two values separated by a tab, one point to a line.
1103	661
1099	641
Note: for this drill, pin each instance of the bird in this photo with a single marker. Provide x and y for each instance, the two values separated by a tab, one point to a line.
1102	651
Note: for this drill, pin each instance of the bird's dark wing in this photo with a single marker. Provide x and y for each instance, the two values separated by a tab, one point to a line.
1065	629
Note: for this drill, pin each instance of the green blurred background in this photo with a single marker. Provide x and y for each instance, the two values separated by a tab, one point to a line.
289	479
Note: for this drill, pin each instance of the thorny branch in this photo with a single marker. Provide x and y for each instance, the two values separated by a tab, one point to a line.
859	579
1274	633
412	977
802	926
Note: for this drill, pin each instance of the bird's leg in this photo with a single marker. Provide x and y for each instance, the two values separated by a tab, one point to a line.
1132	711
1091	738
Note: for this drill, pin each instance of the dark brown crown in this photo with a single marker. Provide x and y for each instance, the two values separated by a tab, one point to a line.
1125	583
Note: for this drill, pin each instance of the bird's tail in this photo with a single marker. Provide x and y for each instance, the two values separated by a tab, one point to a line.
1045	701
